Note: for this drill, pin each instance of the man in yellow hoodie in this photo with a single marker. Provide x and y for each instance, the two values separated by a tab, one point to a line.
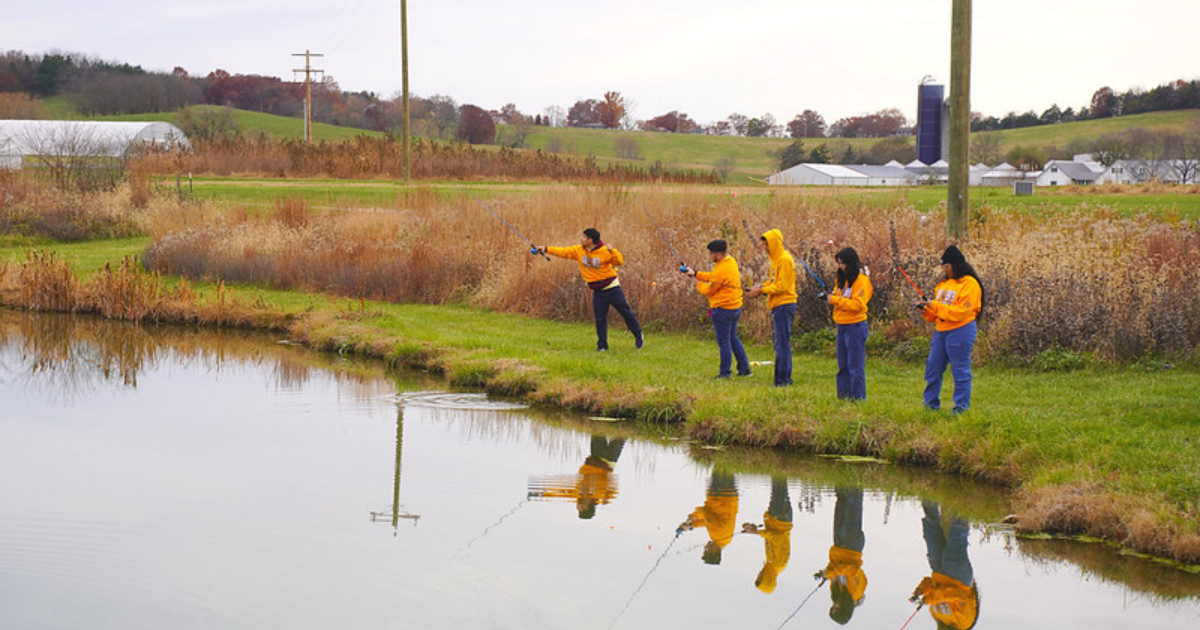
597	264
776	532
723	288
781	300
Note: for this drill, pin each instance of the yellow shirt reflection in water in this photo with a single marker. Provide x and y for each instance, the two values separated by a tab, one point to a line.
776	532
718	515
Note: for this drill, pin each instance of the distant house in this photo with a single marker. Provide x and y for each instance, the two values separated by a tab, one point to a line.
1064	173
21	139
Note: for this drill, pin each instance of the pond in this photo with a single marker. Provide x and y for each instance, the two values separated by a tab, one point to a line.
170	478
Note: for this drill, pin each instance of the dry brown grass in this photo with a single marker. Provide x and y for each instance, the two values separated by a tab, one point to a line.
45	282
365	157
1118	287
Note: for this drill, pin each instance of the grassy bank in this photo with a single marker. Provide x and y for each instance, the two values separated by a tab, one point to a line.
1111	452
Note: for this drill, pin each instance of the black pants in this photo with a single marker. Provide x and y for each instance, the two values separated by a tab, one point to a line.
615	298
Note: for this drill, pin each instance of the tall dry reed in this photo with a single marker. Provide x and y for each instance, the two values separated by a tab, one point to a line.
1096	282
364	157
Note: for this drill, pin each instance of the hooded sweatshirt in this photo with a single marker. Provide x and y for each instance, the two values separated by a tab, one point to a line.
596	265
956	303
777	537
845	567
950	601
782	287
723	285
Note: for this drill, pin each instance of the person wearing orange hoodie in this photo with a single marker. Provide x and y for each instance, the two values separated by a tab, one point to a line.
594	485
723	288
958	300
597	264
781	300
718	515
849	300
949	591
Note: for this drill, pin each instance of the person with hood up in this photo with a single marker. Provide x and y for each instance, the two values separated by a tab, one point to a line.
723	288
958	300
849	300
597	262
718	515
776	532
781	300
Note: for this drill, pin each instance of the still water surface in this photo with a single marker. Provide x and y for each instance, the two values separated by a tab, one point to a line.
159	478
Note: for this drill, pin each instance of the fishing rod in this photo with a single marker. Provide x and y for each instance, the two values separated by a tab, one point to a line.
914	614
815	277
647	578
682	265
489	528
532	248
797	611
914	284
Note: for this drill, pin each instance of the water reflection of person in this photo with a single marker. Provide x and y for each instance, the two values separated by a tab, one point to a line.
776	531
718	515
595	484
847	580
950	592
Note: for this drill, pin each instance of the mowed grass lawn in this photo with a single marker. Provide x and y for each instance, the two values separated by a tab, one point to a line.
1135	433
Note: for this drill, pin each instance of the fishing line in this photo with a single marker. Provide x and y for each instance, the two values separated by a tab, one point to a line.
645	579
532	248
682	266
494	525
795	612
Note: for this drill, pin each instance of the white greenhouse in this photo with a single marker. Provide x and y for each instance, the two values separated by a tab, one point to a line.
22	139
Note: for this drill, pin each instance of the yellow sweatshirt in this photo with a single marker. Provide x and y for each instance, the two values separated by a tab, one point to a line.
845	567
950	601
722	285
955	304
777	538
595	265
850	303
719	516
782	287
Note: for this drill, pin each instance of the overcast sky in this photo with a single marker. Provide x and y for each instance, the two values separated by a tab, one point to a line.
703	57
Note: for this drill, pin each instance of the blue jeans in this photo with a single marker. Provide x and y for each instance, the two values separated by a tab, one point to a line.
847	519
615	298
947	550
852	360
782	317
952	347
725	321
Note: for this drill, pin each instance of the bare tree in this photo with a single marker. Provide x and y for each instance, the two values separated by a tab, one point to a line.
208	123
1187	160
75	155
554	116
985	147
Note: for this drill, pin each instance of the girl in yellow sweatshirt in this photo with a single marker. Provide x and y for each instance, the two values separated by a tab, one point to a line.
849	299
956	303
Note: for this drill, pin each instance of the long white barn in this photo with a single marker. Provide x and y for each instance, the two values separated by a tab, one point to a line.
82	138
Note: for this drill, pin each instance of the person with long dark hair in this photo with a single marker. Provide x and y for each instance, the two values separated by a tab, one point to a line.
849	298
957	302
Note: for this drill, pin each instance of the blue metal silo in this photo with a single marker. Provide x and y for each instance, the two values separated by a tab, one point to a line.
929	122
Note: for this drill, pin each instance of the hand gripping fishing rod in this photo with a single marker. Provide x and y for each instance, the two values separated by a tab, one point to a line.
682	266
532	248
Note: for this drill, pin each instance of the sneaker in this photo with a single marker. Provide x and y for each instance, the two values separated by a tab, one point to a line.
638	340
745	373
721	376
602	349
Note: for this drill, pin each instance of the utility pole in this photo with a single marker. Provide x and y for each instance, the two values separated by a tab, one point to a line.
404	83
308	70
958	201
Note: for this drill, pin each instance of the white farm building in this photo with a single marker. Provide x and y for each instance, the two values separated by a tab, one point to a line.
20	139
838	175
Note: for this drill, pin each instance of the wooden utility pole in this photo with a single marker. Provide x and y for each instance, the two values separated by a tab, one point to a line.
308	71
404	88
958	201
